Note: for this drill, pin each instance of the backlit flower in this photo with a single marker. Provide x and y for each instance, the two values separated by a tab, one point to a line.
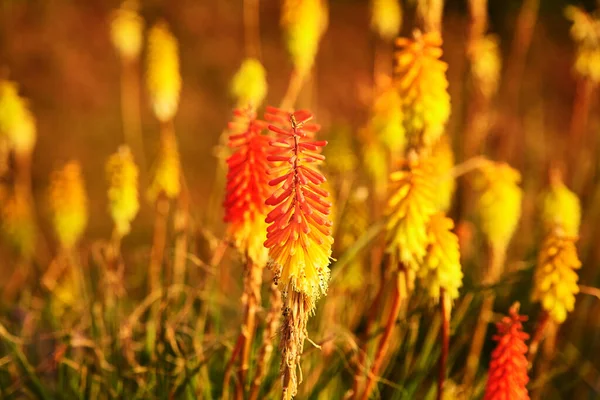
166	180
386	18
247	185
507	378
126	30
17	124
249	85
561	208
123	197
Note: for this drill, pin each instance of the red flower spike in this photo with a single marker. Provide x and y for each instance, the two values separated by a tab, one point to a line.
299	235
247	183
507	377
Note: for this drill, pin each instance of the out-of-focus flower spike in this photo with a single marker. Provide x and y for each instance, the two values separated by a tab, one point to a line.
126	29
443	161
248	187
162	75
507	378
167	171
586	35
386	18
249	85
486	65
420	77
18	221
17	124
68	204
123	196
304	22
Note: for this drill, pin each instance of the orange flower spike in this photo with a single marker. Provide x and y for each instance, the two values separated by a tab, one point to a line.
247	185
507	377
299	235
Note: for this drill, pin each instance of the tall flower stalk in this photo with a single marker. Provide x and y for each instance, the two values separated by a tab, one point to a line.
299	233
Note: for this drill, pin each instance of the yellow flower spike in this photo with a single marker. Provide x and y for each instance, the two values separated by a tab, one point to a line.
499	202
585	32
249	85
486	65
68	204
561	208
555	277
340	152
386	18
304	22
17	124
386	121
17	221
163	77
420	77
126	29
409	209
441	266
123	201
443	161
167	172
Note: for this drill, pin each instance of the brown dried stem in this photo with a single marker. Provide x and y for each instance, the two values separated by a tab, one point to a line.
445	309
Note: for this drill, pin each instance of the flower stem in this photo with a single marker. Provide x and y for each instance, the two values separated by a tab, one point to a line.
445	339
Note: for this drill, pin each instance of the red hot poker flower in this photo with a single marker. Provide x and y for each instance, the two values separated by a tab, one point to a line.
299	234
507	377
247	184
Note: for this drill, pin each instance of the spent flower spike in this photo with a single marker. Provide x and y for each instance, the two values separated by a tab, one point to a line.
508	378
247	185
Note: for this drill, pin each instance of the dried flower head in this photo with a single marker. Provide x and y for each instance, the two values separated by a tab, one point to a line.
422	84
123	196
499	202
561	208
386	18
249	85
126	29
555	278
247	185
507	378
167	171
410	206
162	75
304	22
299	234
486	64
586	35
442	158
68	204
17	124
441	266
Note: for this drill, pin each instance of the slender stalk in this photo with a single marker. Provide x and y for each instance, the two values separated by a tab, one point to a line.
180	225
579	122
538	336
251	300
384	342
445	339
293	90
548	353
266	350
159	241
227	374
252	28
130	109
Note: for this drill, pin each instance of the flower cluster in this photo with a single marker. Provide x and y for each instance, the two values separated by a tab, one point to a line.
441	266
299	233
247	185
409	209
508	378
68	204
167	170
555	278
586	34
442	158
123	197
423	87
561	208
486	65
163	78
